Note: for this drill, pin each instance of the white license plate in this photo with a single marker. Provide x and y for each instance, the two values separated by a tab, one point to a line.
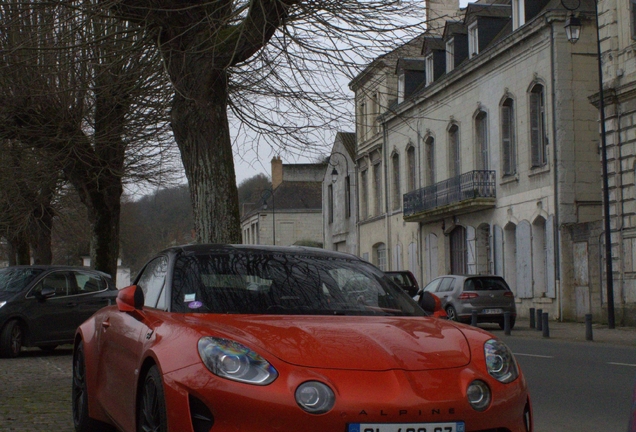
491	311
407	427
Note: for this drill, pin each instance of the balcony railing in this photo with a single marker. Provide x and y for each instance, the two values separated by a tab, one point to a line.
468	186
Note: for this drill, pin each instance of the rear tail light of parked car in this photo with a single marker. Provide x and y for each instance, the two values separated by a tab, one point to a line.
509	294
468	296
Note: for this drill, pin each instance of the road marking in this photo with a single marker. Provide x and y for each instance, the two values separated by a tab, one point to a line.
622	364
533	355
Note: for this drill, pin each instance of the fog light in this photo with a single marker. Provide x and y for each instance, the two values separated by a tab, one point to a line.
315	397
478	395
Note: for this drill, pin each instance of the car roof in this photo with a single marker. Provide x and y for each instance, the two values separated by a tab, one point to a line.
57	267
227	248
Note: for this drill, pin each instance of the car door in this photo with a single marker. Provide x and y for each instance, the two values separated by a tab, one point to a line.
124	335
445	291
51	320
89	294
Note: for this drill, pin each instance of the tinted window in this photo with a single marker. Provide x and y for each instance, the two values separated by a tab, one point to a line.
152	281
57	281
87	283
263	283
485	284
15	280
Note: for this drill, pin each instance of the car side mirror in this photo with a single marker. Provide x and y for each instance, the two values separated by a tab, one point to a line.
431	304
46	293
130	299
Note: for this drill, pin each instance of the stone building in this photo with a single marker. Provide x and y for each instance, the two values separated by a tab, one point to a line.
290	213
617	27
340	216
487	159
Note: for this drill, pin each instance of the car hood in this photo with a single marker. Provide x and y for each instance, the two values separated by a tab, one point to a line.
7	295
356	343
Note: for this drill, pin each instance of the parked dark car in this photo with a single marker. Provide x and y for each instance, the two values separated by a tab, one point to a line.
406	280
43	305
632	415
489	295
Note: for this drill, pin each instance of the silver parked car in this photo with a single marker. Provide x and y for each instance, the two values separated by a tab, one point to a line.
489	295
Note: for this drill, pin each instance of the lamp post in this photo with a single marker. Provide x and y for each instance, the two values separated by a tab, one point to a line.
573	31
266	194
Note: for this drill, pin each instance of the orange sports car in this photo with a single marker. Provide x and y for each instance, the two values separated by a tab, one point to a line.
259	339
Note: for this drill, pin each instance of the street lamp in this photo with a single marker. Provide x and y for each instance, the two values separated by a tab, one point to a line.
334	172
266	194
573	31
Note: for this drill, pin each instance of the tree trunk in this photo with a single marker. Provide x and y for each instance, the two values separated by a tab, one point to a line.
40	237
19	250
202	131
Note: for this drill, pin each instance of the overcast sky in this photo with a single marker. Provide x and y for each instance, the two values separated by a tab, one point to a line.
250	163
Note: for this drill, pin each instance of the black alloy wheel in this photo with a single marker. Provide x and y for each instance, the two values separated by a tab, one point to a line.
151	411
451	313
79	394
11	340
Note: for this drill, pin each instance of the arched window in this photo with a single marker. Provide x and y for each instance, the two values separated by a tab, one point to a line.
481	137
397	193
508	144
379	256
458	251
429	146
538	139
410	160
454	151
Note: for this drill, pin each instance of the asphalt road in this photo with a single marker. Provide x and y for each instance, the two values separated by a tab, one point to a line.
577	386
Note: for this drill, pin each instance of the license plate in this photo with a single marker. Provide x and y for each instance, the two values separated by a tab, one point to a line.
491	311
407	427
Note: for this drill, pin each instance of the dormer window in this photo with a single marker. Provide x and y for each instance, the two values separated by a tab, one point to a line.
430	69
450	55
401	86
518	14
473	40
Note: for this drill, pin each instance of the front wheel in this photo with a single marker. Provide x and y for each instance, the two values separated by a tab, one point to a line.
11	340
151	410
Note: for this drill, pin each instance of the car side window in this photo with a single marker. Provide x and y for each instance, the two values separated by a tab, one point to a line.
88	283
152	282
432	287
57	281
446	285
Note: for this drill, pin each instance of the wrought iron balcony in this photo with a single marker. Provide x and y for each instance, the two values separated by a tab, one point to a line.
471	191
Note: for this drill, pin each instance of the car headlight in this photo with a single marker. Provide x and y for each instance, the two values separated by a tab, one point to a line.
315	397
500	362
232	360
2	303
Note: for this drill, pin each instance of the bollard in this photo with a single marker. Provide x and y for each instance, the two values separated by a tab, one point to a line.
507	323
532	318
546	328
539	319
588	327
473	318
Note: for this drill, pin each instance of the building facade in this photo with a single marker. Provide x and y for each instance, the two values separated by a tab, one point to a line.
340	215
489	164
291	212
617	28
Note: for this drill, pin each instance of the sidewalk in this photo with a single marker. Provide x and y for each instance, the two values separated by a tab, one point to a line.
575	332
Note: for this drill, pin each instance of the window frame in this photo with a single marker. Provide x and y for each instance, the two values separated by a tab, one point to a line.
450	55
395	183
430	69
481	138
538	132
473	39
454	149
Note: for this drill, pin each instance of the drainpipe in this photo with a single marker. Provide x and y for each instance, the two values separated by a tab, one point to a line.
387	220
557	224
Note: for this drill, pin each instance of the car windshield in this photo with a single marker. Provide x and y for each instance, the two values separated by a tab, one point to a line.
14	280
287	284
485	284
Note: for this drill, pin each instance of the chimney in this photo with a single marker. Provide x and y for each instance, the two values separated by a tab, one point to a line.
277	172
438	12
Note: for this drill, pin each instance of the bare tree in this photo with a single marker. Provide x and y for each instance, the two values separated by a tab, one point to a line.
89	91
271	65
